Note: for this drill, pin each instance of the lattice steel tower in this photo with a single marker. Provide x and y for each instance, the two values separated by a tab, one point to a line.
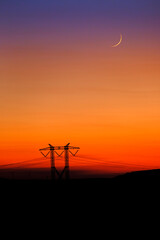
53	150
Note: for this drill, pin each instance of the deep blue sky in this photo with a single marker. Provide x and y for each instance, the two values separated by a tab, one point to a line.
39	19
20	12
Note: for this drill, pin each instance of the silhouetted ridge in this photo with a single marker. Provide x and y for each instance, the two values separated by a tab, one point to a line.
145	174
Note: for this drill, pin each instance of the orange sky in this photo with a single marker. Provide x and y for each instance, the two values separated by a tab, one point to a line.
104	100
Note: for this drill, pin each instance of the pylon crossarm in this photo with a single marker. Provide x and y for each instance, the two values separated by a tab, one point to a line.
71	152
74	153
43	149
44	154
47	154
59	155
57	148
70	147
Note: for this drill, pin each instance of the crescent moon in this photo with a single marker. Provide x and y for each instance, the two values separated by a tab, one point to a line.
118	42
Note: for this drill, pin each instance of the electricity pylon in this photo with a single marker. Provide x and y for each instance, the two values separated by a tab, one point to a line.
66	150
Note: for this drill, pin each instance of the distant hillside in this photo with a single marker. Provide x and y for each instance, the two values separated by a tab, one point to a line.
141	175
127	186
140	181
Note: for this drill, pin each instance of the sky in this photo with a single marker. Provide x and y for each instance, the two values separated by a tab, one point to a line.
62	81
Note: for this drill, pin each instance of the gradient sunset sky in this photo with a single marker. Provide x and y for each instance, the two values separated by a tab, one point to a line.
61	81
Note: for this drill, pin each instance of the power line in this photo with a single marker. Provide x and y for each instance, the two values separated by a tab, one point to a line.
111	162
17	163
81	161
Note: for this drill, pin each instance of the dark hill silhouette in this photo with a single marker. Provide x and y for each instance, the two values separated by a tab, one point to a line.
129	181
120	193
145	176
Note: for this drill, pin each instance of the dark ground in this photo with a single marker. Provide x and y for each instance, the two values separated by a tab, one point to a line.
134	183
112	204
